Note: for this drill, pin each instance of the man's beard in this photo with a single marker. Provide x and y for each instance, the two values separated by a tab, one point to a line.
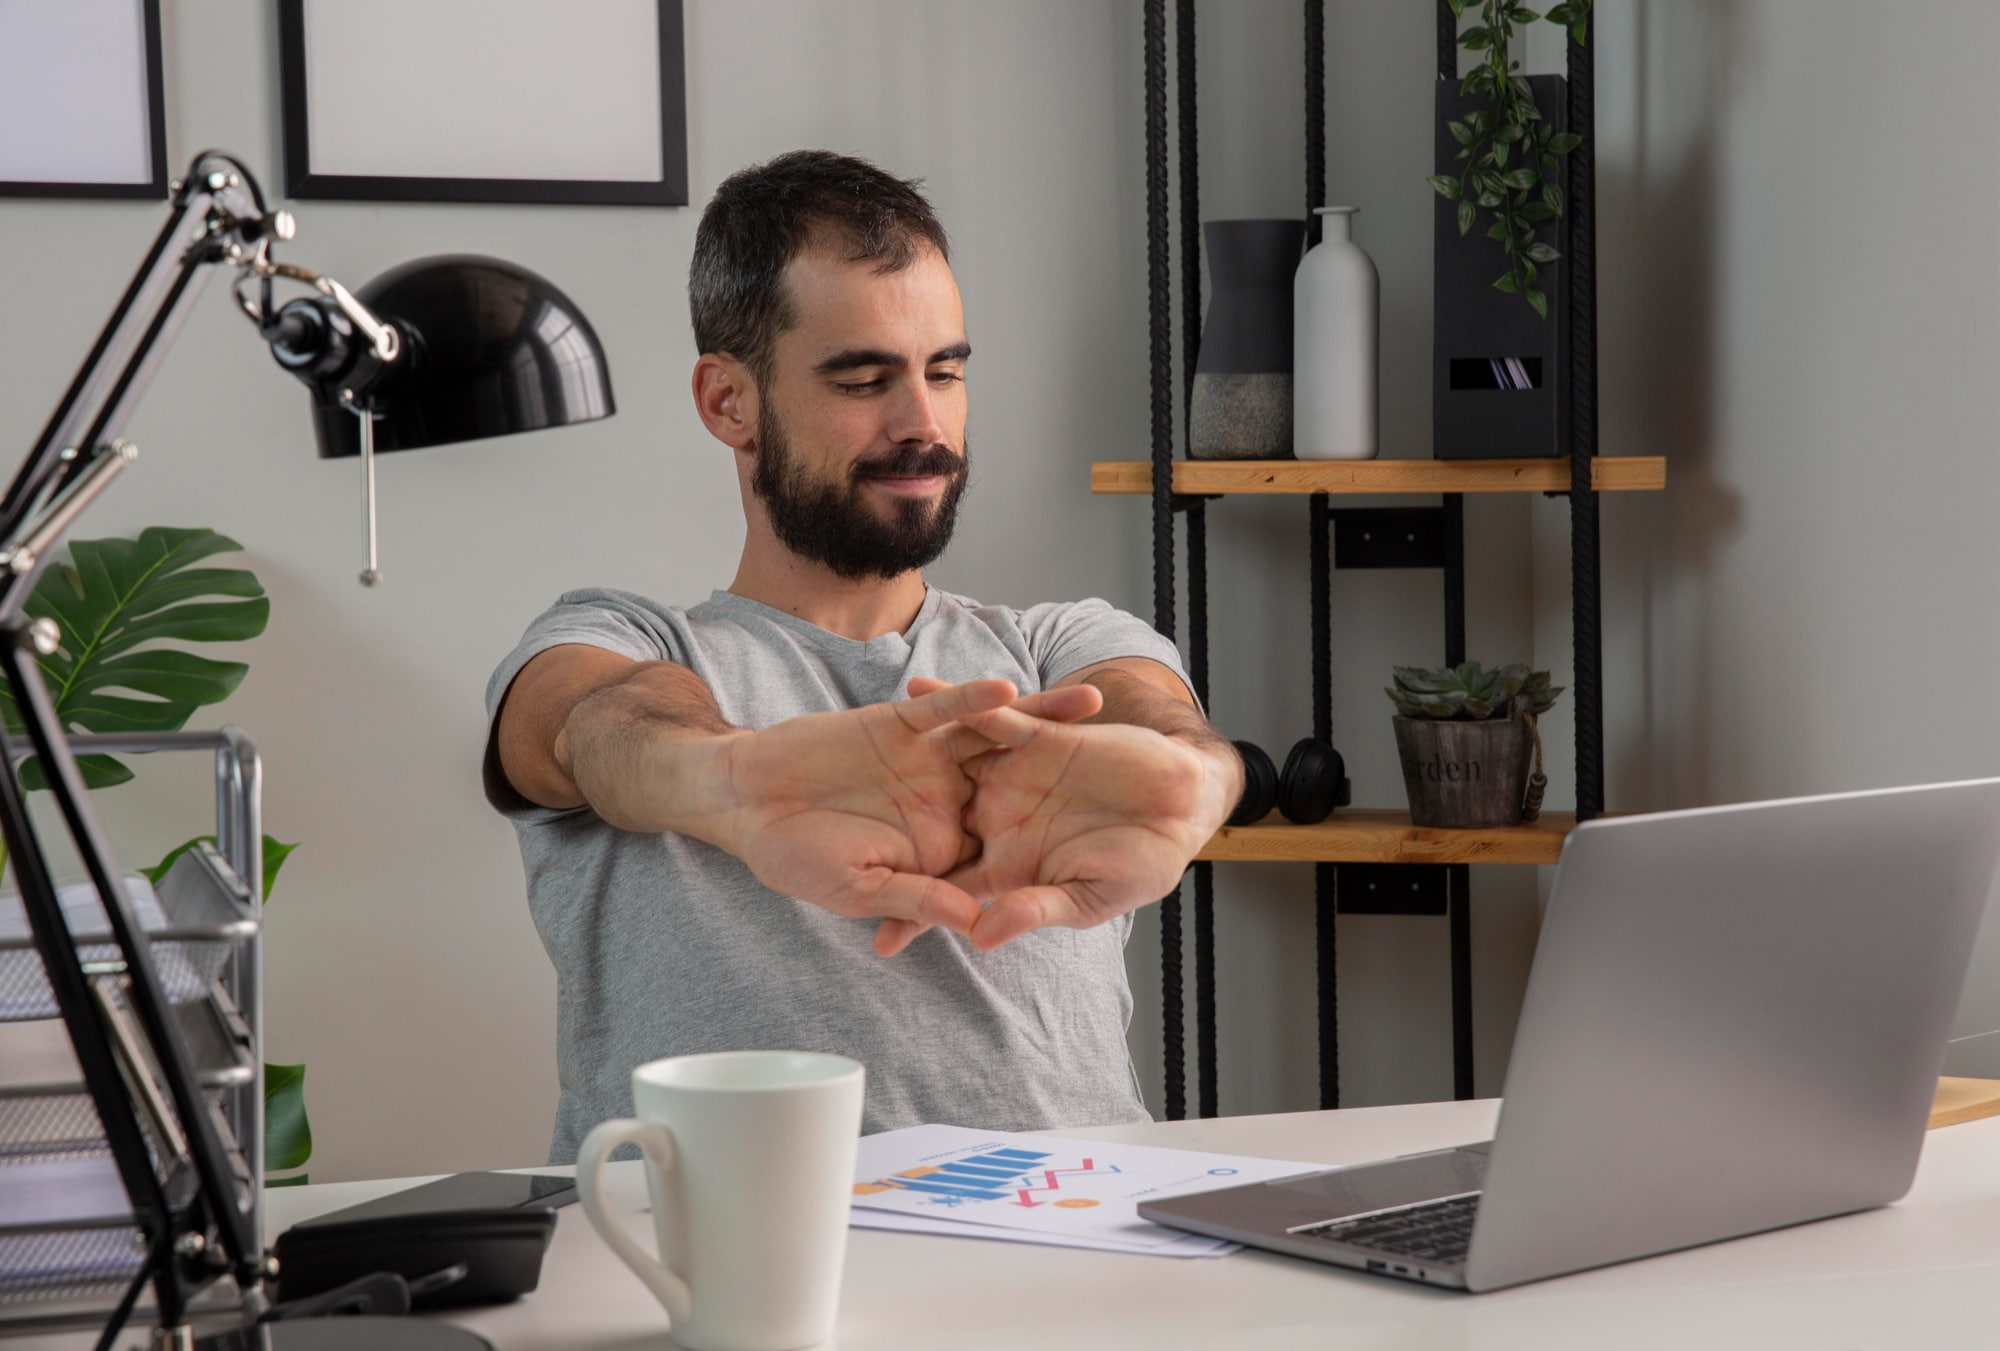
831	523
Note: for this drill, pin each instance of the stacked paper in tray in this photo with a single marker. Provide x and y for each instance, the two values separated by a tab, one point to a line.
1039	1189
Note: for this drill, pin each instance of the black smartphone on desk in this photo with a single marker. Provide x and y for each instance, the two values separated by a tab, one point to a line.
496	1226
460	1191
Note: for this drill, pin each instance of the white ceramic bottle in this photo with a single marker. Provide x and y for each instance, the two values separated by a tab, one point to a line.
1336	321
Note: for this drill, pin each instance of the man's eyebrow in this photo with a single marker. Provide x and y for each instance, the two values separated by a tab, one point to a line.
856	358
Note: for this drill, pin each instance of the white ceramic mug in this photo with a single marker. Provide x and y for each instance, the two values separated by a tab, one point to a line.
750	1164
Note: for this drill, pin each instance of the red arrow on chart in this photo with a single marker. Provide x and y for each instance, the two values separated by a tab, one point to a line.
1049	1183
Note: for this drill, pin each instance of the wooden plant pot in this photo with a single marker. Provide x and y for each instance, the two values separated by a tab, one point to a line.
1465	775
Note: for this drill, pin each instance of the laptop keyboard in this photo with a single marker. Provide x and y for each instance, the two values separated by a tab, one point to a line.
1436	1231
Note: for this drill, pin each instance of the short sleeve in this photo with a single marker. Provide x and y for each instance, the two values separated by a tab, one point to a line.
616	621
1067	636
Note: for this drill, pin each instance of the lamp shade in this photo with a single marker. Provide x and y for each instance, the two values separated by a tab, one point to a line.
489	349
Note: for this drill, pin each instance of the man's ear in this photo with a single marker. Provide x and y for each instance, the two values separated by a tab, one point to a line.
726	398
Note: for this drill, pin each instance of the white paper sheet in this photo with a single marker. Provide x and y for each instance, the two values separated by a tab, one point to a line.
1039	1185
1188	1245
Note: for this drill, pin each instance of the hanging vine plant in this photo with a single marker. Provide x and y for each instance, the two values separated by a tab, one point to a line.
1512	156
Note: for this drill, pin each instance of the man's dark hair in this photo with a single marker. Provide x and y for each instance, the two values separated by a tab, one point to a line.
764	216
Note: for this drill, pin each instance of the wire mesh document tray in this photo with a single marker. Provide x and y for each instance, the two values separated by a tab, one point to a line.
68	1243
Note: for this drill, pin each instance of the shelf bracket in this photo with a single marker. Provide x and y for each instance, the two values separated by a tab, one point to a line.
1388	537
1393	888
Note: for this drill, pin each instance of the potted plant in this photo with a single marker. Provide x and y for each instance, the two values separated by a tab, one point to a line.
123	607
1510	151
1467	738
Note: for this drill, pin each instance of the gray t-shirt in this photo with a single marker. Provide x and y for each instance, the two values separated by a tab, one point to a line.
664	945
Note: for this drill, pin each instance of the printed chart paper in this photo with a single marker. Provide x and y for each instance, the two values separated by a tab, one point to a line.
1188	1245
1062	1190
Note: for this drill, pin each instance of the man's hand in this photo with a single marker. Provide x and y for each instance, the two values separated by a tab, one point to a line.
861	812
1077	824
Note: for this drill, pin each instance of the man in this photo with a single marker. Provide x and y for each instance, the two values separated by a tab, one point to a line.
833	808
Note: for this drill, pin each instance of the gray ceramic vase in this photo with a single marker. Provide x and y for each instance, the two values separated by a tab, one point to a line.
1242	405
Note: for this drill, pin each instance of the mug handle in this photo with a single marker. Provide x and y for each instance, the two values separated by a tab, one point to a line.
657	1144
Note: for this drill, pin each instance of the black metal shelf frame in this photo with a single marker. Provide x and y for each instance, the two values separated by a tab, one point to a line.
1580	251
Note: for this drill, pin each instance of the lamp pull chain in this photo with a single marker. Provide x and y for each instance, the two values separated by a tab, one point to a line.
371	574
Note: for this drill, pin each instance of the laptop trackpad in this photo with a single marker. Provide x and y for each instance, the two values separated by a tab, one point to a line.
1393	1182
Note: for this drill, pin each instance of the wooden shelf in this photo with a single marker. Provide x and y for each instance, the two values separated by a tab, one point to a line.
1611	473
1964	1100
1363	836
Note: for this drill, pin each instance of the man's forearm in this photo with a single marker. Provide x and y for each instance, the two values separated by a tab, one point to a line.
652	753
1136	701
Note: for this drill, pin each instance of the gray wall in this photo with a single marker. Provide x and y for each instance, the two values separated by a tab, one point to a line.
1789	308
1797	287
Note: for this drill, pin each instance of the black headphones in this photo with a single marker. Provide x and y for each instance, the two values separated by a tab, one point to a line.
1313	783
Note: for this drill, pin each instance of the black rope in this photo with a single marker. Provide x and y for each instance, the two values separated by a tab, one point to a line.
1454	578
1461	980
1204	988
1161	351
1197	533
1204	873
1447	42
1321	551
1190	173
1315	116
1158	305
1326	910
1459	878
1326	878
1586	631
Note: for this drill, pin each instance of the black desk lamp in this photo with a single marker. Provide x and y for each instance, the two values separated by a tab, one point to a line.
440	350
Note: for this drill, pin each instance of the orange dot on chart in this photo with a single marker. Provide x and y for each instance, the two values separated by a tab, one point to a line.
1077	1203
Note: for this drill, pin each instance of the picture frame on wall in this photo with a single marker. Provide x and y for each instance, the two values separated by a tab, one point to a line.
82	106
576	104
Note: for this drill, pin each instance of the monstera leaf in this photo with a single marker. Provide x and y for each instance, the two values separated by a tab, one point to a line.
119	604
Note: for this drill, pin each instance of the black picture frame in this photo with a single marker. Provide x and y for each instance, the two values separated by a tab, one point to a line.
153	189
301	182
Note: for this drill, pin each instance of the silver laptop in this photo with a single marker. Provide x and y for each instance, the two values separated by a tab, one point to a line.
1735	1022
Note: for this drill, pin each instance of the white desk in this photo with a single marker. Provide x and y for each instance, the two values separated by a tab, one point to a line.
1922	1273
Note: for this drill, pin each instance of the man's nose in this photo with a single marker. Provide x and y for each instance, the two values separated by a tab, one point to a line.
913	415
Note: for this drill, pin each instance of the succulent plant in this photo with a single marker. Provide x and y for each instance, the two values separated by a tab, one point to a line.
1469	691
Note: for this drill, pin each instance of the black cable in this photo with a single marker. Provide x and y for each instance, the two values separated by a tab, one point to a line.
1197	532
1158	304
1447	42
1315	116
1459	877
1586	613
1161	353
1326	911
1204	988
1320	553
1204	873
1454	578
1459	887
1190	175
1326	877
